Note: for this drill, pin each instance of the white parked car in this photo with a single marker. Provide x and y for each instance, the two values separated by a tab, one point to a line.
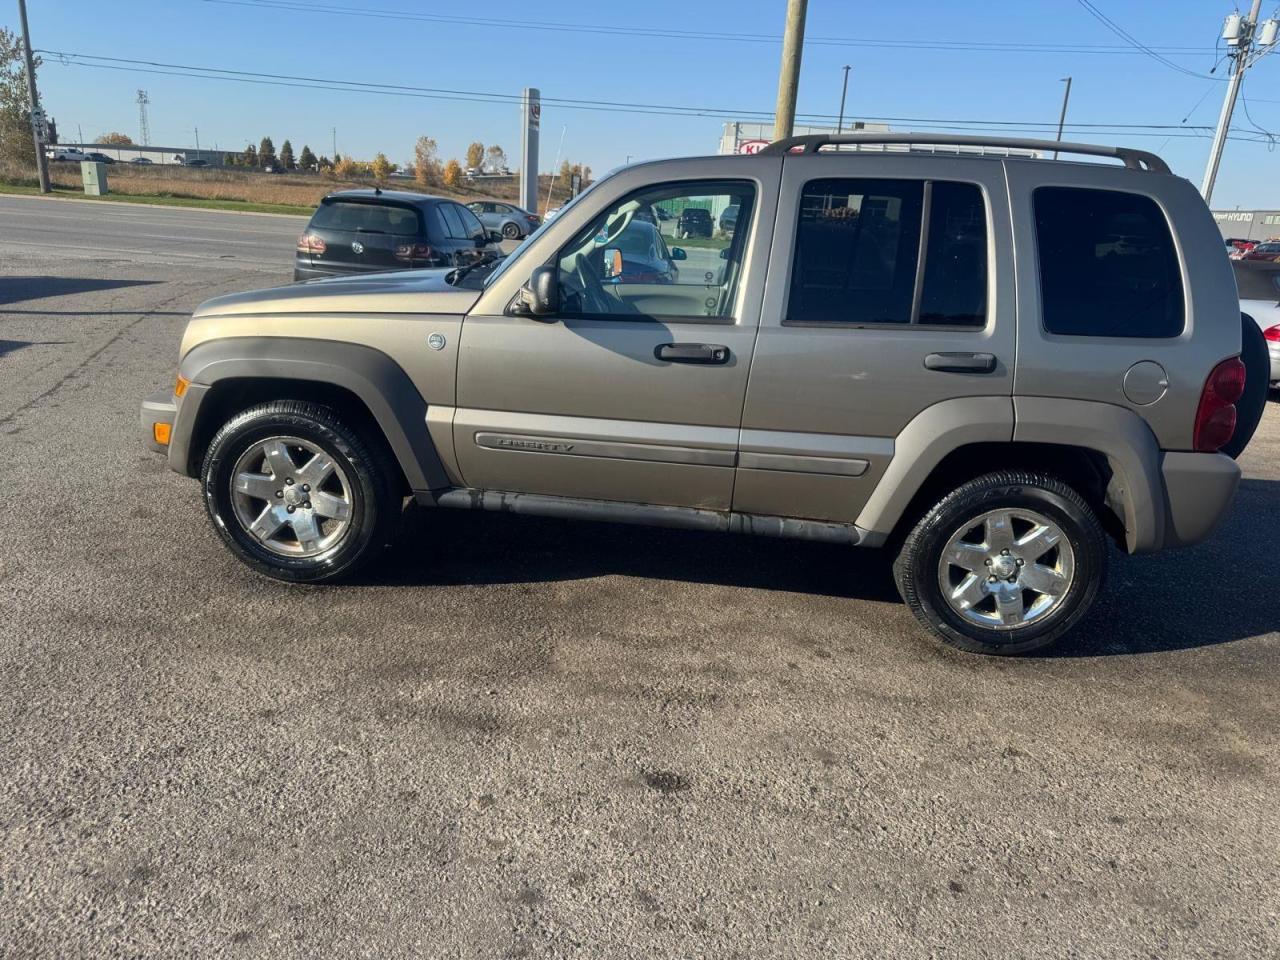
1259	286
65	153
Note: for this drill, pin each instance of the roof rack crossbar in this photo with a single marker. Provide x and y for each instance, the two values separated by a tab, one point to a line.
812	143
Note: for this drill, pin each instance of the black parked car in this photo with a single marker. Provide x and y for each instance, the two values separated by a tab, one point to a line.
367	231
693	222
729	218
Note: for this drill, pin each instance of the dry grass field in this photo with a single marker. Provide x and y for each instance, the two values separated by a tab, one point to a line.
262	190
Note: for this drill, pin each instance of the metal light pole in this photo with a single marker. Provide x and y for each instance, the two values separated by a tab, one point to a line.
1062	117
844	91
42	168
1240	63
789	74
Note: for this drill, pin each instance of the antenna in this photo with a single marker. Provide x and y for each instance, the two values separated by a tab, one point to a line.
144	128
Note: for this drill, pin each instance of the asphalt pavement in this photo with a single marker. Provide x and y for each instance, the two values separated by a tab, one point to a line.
518	737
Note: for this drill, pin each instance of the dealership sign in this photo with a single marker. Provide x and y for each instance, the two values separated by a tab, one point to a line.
752	146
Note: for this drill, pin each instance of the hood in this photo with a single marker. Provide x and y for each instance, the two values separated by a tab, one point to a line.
403	291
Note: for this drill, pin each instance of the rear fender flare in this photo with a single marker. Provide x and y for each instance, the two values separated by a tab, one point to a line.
923	444
1123	437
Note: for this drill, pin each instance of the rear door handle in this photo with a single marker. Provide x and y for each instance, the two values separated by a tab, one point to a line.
961	362
692	352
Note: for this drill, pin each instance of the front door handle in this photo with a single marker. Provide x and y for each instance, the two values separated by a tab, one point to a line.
961	362
692	352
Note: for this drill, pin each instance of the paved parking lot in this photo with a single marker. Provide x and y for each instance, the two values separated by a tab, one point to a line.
526	738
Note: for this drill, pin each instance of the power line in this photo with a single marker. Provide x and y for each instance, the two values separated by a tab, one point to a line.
298	6
67	58
1121	32
190	71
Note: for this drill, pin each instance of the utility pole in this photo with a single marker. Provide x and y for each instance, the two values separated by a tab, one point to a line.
789	74
1239	32
844	91
335	144
37	118
1062	117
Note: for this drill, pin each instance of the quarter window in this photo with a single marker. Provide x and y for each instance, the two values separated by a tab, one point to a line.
1108	266
470	224
664	252
452	222
858	253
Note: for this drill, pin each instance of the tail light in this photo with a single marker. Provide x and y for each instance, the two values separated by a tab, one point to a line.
531	218
1272	333
1216	415
413	251
310	243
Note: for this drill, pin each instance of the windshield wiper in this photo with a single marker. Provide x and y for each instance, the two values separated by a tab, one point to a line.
457	273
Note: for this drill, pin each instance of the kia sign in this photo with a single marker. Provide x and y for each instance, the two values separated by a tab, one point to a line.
752	146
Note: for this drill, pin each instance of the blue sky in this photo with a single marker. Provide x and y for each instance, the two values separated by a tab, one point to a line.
922	81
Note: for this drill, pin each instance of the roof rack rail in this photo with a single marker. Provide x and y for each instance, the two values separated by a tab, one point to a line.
812	143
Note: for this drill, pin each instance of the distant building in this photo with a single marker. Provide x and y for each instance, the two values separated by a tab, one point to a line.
749	136
123	153
1248	224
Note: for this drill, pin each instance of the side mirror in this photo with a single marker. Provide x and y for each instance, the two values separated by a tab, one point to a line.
544	289
724	254
677	253
612	263
495	236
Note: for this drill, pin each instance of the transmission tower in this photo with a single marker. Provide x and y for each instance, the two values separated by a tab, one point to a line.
144	129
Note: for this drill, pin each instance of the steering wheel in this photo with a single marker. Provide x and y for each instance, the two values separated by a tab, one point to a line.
594	298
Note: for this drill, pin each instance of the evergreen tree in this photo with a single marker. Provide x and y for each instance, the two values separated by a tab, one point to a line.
286	156
267	153
307	159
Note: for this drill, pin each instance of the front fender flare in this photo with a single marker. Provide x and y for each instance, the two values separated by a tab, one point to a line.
379	382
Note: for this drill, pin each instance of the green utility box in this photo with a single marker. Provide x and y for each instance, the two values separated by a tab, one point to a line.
94	176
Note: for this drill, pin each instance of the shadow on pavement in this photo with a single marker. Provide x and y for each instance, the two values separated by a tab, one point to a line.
1225	590
461	546
18	289
13	346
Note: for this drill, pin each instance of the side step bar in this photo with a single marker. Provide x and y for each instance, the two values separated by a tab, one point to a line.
647	514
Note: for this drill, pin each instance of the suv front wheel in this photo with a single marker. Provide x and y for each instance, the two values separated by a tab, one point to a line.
1005	564
297	494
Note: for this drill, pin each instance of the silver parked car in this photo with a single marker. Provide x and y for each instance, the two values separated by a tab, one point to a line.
992	366
514	223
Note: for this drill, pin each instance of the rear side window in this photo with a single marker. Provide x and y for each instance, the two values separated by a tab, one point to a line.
858	253
1108	266
367	218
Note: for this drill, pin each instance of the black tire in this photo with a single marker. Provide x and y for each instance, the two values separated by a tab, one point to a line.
375	495
511	231
916	572
1257	366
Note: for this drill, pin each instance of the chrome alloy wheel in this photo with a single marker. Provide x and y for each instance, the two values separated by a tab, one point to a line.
292	497
1006	569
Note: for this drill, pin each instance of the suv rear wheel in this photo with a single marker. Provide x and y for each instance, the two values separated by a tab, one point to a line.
1006	564
297	494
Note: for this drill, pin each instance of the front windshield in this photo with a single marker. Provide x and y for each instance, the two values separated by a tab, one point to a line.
514	255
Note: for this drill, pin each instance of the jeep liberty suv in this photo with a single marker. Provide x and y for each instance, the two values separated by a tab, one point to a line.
990	365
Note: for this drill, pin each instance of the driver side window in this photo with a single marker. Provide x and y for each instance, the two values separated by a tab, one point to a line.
669	251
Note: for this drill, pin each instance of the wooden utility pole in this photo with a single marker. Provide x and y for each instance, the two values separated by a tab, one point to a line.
42	168
789	75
